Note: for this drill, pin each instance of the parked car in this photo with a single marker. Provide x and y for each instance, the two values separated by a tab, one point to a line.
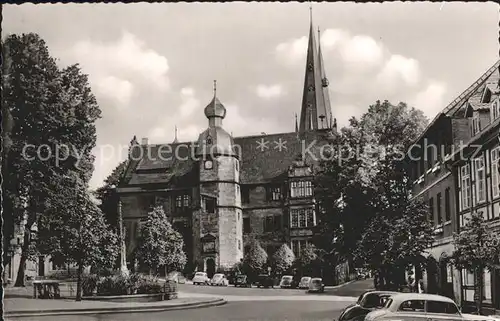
177	277
201	278
421	307
242	280
304	282
265	280
366	303
219	279
286	281
316	285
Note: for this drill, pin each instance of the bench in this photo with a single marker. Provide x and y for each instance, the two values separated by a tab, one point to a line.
46	289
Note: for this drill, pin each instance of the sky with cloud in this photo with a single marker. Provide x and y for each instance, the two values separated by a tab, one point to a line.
152	66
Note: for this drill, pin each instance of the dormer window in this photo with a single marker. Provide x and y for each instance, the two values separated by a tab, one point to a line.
476	124
495	110
486	97
209	140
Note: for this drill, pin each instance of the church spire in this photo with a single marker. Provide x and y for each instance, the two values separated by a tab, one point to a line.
315	110
296	124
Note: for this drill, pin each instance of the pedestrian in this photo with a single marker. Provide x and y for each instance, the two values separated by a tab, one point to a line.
420	286
411	284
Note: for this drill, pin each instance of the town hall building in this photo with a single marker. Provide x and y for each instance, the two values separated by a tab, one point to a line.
222	191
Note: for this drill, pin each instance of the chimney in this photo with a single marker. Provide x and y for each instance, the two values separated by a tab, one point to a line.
144	141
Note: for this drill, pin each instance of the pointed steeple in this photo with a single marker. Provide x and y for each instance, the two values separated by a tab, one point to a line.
296	124
315	110
175	139
326	108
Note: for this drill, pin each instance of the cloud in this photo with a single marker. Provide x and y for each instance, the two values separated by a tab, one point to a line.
118	89
333	37
189	102
292	51
431	99
361	49
399	68
116	68
268	92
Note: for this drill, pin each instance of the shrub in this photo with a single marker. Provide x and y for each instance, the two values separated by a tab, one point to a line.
114	285
89	284
149	285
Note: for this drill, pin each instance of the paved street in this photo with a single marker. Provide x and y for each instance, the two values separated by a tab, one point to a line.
232	311
244	304
351	289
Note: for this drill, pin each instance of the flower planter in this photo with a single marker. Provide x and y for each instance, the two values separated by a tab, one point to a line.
129	298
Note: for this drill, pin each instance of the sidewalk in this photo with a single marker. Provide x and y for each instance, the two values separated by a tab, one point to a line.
303	297
26	306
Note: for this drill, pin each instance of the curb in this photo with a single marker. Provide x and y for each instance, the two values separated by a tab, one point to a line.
339	286
114	310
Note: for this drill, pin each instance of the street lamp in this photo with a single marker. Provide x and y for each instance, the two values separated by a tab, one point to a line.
71	162
123	253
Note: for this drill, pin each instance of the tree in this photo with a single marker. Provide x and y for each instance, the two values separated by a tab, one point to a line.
53	113
107	195
477	248
159	245
255	259
76	231
307	259
363	187
282	259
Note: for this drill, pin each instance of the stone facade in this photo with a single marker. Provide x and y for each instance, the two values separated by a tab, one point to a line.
221	190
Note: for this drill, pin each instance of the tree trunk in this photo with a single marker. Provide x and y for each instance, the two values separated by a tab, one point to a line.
21	272
79	281
478	285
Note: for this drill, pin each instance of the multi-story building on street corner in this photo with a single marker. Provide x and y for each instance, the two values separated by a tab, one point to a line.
455	179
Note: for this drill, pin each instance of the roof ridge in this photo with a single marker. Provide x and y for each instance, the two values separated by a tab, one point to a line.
472	87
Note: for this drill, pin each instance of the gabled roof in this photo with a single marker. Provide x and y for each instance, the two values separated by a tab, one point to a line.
262	160
456	107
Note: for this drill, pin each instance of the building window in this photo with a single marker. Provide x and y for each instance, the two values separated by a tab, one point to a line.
239	216
209	205
487	286
237	189
239	245
237	165
303	217
298	246
476	125
495	110
182	202
465	187
431	210
272	223
447	204
480	180
300	189
274	193
245	194
494	171
468	285
438	207
246	225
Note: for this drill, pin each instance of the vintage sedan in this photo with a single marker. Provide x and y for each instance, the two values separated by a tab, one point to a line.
201	278
241	280
421	307
286	281
316	285
304	282
366	303
219	279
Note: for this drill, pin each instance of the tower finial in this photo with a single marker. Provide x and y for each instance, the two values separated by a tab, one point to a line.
215	88
175	137
310	12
